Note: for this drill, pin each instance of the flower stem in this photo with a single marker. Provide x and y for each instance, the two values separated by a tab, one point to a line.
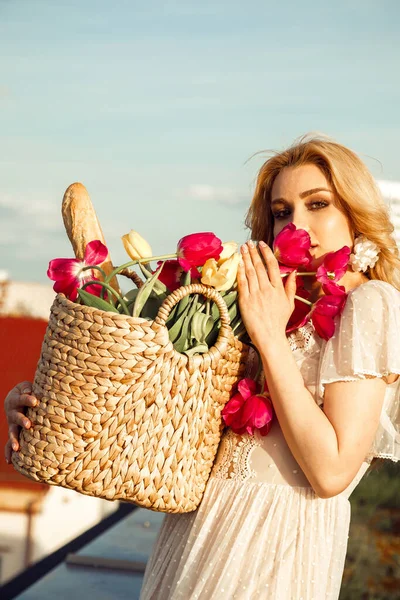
102	272
136	261
110	289
303	300
301	274
95	267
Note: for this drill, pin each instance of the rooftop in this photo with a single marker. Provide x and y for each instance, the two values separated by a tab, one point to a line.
106	563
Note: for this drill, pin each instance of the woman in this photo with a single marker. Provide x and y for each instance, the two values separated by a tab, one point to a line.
274	520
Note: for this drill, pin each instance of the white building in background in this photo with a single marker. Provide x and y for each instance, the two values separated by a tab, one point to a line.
19	298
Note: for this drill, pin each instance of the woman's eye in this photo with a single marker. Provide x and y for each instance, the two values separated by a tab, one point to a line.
281	214
319	204
315	205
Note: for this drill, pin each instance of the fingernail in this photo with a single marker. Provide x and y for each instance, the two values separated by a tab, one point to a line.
15	446
26	391
244	248
262	244
251	243
7	461
33	402
27	423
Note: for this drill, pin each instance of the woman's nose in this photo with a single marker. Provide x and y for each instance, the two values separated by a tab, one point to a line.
301	221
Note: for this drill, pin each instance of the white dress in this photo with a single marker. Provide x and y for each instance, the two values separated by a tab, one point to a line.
260	531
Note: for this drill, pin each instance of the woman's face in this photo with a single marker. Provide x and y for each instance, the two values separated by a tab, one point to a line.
303	196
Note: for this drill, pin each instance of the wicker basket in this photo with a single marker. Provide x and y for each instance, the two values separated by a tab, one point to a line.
122	415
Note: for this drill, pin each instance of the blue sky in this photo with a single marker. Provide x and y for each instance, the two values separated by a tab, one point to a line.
156	106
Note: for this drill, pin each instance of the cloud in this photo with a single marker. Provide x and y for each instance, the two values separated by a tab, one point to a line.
210	193
204	192
39	214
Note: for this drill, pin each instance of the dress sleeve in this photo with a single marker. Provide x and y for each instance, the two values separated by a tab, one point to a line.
367	343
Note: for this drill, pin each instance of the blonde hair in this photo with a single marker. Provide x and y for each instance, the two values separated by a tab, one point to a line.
357	195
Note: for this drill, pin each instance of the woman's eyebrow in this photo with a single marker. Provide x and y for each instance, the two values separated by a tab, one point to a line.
313	191
302	195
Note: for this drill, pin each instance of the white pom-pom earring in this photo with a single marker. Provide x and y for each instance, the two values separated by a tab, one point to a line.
365	254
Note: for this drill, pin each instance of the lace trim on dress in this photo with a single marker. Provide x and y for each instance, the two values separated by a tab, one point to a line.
234	462
372	455
302	338
362	372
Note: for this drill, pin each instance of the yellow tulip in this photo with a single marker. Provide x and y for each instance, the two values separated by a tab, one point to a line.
229	248
136	246
221	277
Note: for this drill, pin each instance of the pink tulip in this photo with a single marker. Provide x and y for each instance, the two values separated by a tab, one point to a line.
301	311
195	249
324	312
332	288
258	414
69	276
334	266
248	410
291	246
284	269
171	274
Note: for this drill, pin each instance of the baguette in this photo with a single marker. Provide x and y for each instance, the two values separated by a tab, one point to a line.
82	225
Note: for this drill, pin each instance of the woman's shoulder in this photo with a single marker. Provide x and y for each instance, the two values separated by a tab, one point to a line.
374	291
372	310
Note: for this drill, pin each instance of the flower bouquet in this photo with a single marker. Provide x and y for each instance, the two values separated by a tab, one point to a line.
200	258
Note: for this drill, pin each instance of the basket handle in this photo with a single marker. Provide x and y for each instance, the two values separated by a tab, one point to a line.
194	288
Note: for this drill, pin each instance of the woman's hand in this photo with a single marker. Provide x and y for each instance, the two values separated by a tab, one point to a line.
19	397
265	303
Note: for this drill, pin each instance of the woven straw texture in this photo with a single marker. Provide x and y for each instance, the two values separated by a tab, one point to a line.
122	415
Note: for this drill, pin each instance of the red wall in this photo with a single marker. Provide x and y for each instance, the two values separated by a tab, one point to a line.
20	344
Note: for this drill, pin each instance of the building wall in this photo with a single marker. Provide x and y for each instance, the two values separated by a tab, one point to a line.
62	514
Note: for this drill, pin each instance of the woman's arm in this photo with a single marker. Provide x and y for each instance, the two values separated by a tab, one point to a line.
329	445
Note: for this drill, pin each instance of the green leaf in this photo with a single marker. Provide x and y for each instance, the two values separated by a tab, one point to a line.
144	293
199	349
175	329
200	326
182	343
150	309
131	295
229	299
95	302
213	335
171	316
233	311
182	304
129	298
158	286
